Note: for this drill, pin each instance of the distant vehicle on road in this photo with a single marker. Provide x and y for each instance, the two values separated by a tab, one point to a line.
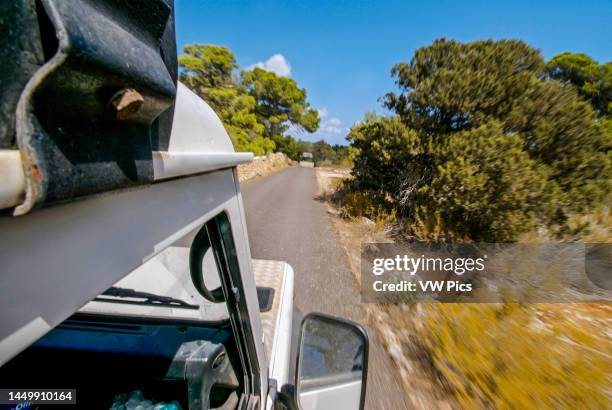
307	159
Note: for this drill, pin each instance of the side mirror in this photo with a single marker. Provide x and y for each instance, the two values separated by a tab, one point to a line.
332	364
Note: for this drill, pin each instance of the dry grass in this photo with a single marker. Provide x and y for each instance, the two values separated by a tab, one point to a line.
513	356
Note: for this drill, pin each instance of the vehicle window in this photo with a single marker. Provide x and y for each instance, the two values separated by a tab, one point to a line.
183	282
163	286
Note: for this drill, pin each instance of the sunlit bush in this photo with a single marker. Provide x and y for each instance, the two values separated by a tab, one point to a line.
484	143
511	356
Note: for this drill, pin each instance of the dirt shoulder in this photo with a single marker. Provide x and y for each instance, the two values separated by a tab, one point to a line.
394	323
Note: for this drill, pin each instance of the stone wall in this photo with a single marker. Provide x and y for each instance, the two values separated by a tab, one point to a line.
263	166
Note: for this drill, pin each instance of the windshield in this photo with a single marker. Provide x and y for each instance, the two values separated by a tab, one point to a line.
162	287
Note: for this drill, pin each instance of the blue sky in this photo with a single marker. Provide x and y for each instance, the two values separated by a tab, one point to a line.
342	51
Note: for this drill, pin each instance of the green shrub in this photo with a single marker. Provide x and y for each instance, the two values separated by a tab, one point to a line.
484	145
325	154
485	186
387	153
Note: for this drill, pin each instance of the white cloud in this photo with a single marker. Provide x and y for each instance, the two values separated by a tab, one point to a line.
331	129
333	126
278	64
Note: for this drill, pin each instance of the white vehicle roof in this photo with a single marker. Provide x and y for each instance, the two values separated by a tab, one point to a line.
196	127
198	141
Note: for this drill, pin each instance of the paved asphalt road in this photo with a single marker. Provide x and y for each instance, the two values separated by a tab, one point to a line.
286	222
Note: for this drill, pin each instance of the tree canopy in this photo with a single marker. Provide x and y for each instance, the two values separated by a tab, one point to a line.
450	86
207	67
485	138
256	106
279	102
593	81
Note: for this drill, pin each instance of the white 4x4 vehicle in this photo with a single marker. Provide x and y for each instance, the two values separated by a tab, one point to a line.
128	269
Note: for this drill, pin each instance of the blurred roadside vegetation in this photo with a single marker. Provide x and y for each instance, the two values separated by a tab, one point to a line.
511	356
487	142
325	155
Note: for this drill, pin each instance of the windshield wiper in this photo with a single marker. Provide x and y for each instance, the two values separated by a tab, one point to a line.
147	298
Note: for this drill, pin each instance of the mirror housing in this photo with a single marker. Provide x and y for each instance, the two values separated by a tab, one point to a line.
332	364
